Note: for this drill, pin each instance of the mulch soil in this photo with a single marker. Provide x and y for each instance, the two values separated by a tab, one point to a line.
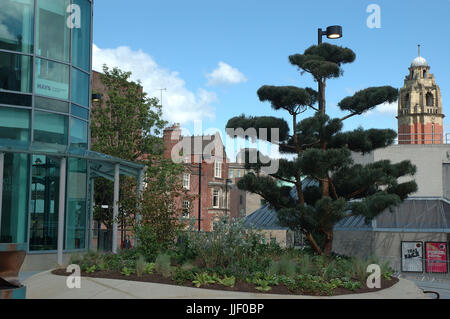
239	286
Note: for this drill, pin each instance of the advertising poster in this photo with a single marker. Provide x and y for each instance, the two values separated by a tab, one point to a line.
436	257
412	256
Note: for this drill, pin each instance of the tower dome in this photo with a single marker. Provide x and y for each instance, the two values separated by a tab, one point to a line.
419	61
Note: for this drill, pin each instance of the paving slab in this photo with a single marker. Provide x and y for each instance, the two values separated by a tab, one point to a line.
45	285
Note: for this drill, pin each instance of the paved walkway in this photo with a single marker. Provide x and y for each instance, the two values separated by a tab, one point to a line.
45	285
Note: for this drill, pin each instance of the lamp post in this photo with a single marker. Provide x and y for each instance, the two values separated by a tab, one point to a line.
332	32
226	193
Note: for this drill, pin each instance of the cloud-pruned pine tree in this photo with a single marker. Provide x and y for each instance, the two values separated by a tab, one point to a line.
340	188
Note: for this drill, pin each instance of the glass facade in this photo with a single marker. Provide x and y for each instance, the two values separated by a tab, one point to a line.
45	75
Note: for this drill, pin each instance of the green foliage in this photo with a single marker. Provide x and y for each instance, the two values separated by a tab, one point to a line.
91	269
230	244
257	123
291	98
285	266
127	271
203	278
149	268
149	246
162	265
227	281
140	266
367	99
182	276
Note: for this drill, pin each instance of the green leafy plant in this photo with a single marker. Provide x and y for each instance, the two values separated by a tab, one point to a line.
91	269
203	279
227	281
126	271
262	285
149	268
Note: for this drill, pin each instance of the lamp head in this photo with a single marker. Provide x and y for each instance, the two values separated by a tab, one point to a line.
334	32
97	97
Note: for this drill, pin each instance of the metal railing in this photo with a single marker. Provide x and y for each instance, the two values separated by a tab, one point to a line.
422	138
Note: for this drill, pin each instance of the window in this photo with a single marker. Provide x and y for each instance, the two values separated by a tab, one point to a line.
15	99
53	34
186	180
44	203
16	27
15	71
186	208
218	169
15	127
14	220
238	173
52	79
424	73
81	37
50	128
76	203
230	173
80	87
215	198
51	105
80	112
78	133
429	99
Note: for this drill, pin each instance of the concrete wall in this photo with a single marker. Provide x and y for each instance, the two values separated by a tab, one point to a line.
284	238
354	243
429	160
35	262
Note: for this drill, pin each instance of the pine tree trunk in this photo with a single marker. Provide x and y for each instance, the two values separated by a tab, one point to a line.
313	243
328	243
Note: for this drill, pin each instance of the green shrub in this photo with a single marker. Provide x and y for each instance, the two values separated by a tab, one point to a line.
148	244
162	265
91	269
182	276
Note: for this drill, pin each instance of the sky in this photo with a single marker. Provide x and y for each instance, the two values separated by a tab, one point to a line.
212	56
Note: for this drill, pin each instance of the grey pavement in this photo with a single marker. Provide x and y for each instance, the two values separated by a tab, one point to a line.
45	285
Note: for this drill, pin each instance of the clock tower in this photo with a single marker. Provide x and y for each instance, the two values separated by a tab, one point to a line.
420	116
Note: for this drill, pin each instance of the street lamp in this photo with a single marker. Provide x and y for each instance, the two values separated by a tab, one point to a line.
332	32
227	181
97	97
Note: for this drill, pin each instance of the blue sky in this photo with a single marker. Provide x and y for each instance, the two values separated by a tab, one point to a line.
178	44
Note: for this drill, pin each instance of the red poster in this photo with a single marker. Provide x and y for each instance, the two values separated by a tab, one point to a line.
436	257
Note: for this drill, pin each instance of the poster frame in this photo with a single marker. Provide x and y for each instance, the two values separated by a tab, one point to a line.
401	256
426	257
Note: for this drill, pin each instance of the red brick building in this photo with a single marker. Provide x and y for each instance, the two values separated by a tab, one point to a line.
213	186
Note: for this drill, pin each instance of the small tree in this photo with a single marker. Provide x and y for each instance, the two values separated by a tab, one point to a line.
128	125
340	188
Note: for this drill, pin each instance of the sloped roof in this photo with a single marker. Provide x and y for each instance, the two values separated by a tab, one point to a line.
264	218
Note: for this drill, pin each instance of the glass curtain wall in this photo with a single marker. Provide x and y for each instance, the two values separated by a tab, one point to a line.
44	107
44	203
76	204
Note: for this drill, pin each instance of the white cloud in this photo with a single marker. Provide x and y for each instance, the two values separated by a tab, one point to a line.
225	74
383	109
180	105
